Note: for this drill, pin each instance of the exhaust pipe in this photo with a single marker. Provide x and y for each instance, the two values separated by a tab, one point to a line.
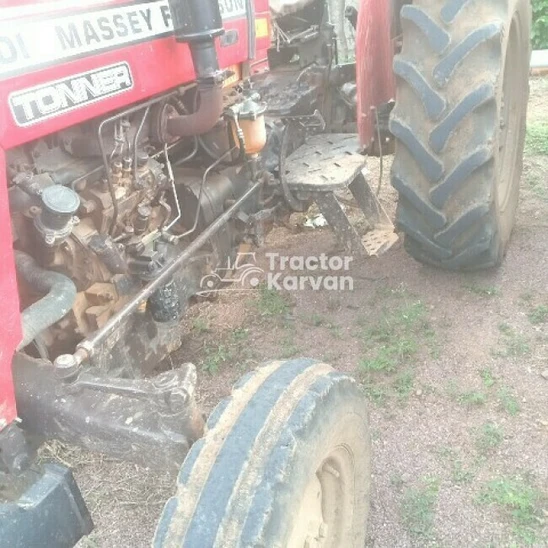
197	23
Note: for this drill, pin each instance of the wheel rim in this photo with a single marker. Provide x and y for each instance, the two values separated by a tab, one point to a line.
326	512
510	117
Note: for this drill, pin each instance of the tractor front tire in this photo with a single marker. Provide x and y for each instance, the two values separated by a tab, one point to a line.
459	124
285	463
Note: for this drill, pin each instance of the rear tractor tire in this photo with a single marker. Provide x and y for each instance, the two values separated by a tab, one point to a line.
459	123
285	463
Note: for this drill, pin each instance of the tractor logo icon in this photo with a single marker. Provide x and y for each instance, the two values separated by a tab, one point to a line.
242	275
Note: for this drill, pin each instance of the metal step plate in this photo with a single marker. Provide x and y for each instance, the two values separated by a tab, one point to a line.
377	242
325	163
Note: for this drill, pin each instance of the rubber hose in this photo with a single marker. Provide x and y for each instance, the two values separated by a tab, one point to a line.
59	299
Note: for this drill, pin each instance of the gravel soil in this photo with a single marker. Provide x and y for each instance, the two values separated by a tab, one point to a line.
455	368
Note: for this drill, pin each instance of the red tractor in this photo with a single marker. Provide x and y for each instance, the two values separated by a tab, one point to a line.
141	145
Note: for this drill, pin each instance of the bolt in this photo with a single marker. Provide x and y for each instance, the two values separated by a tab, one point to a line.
87	207
66	367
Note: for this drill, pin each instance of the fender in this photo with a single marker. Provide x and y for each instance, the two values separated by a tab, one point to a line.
10	325
374	54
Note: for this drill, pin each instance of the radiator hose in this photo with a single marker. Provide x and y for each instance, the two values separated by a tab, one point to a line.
59	299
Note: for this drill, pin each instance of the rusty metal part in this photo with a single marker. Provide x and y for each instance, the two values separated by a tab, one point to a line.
86	348
148	421
209	111
143	106
60	294
329	163
325	163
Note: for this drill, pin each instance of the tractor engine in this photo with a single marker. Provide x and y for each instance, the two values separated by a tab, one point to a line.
69	217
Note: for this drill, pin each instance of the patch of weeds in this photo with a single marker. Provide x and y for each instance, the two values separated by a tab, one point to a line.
460	474
514	344
538	315
536	141
336	331
508	402
389	358
520	501
472	398
316	320
418	508
375	393
487	377
200	325
488	437
403	384
215	357
272	303
396	338
505	328
483	291
288	348
239	335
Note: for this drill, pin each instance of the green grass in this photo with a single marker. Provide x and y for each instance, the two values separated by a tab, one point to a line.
483	291
404	383
536	142
215	357
231	347
288	348
468	398
418	508
239	335
538	315
460	474
272	303
488	437
396	338
317	321
375	393
511	344
508	402
520	501
472	398
200	325
487	378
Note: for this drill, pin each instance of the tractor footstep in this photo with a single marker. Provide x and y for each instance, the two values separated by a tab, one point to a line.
327	164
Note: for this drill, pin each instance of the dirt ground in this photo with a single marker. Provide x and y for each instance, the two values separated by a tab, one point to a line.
455	368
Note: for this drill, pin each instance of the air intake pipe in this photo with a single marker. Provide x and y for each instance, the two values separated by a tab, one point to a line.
198	23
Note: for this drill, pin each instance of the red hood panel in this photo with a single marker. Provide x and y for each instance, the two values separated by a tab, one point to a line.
43	52
10	325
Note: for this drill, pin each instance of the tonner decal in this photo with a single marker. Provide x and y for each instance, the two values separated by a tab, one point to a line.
32	105
30	43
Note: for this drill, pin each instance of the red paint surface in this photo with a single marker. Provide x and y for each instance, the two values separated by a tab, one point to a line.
10	324
374	53
148	62
157	66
